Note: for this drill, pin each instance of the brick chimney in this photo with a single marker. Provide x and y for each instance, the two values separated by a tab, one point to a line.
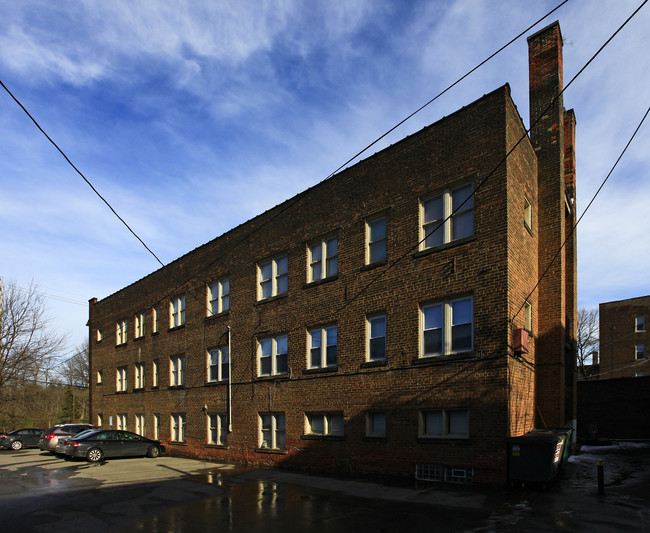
552	137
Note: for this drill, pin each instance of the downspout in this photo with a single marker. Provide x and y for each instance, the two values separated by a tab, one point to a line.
229	384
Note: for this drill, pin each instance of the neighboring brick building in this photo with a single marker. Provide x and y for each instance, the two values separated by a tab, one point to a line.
624	338
363	338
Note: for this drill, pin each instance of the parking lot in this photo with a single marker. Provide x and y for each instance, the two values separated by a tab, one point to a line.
40	492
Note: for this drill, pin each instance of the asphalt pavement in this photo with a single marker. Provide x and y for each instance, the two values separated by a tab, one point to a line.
39	492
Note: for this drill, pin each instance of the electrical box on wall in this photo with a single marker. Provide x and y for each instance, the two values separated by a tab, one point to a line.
520	340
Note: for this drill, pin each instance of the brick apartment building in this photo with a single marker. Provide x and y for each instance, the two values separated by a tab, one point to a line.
378	322
623	338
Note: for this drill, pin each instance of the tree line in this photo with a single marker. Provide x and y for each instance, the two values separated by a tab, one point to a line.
38	386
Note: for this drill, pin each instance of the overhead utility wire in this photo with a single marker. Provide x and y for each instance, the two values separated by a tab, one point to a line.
491	173
80	173
292	202
593	198
299	196
448	88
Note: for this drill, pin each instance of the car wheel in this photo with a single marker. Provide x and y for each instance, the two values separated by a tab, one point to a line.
94	455
16	445
153	452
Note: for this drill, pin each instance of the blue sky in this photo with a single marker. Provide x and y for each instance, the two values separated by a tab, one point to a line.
191	117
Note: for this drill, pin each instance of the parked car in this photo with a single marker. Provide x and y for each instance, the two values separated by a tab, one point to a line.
51	437
97	445
59	449
20	438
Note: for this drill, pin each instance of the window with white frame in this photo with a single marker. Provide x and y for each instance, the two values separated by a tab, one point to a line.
219	297
447	327
139	376
447	217
100	420
639	323
323	259
639	351
155	319
100	335
156	427
177	371
272	355
140	424
323	346
177	312
139	325
324	424
100	377
375	240
376	335
122	421
218	430
528	316
121	331
375	424
273	277
155	370
528	214
177	427
218	364
272	431
120	379
444	423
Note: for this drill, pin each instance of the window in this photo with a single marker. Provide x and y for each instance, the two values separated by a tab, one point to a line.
639	323
447	217
323	259
100	377
217	430
273	278
447	327
177	312
528	316
375	424
122	421
177	371
444	423
322	346
120	379
139	375
139	325
155	316
219	297
100	420
376	240
272	432
376	334
139	425
177	427
218	364
272	356
100	336
528	214
324	424
155	368
120	337
156	427
639	351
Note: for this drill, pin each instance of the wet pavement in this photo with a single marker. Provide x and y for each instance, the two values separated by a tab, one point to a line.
39	492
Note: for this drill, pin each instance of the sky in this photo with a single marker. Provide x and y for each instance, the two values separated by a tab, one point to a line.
191	117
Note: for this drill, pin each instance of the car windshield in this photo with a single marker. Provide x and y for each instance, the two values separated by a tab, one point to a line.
84	433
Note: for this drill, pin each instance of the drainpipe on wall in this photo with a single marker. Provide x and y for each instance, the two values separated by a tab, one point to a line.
229	384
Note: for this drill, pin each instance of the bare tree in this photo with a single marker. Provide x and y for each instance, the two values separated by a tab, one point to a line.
587	341
75	374
28	346
27	341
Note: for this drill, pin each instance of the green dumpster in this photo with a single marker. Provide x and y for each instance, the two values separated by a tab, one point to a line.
538	455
